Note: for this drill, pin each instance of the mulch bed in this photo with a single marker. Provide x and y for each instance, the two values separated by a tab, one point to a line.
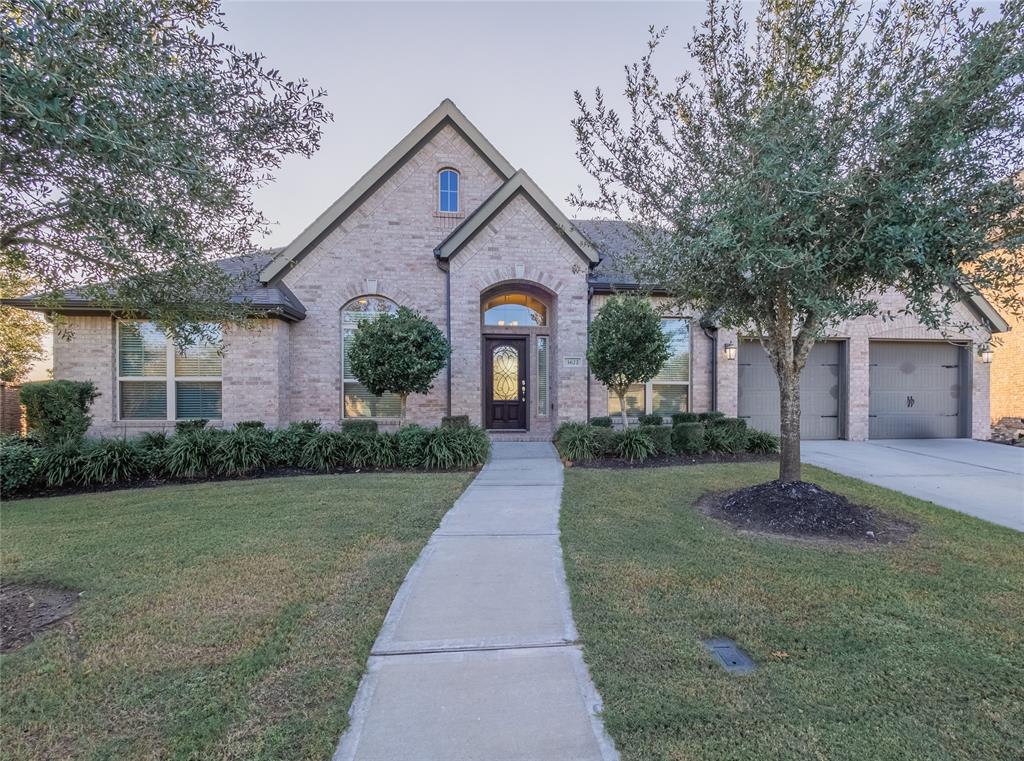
802	510
665	461
26	610
151	483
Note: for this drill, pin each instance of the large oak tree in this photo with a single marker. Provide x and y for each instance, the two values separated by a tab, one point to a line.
815	156
131	140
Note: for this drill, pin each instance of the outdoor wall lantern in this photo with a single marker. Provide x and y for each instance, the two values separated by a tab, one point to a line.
985	352
729	350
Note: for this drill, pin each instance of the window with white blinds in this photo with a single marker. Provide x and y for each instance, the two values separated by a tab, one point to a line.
542	375
357	401
669	391
156	382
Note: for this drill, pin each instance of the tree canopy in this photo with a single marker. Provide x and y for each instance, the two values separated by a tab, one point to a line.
21	332
131	141
816	156
399	353
627	346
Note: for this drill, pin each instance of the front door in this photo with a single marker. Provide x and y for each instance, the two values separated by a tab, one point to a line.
505	383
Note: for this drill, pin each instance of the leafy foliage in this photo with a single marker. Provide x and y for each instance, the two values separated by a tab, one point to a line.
713	415
58	410
140	139
400	353
250	424
685	417
153	440
325	451
688	438
635	444
457	448
601	422
21	332
817	157
287	444
762	442
727	439
60	464
455	421
577	442
627	345
359	426
110	461
650	419
661	435
18	463
190	454
412	446
188	426
243	451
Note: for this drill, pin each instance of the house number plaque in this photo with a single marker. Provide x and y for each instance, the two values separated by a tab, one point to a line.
574	361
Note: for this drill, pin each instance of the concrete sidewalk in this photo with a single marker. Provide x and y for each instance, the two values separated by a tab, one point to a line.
979	478
477	658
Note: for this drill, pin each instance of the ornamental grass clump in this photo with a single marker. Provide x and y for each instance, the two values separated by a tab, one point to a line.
326	451
762	442
577	442
457	448
634	445
243	451
190	454
288	443
60	464
111	461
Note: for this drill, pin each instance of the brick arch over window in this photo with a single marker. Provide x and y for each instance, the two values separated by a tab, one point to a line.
547	298
383	290
511	276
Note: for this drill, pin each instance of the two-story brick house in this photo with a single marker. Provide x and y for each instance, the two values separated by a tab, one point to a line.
446	225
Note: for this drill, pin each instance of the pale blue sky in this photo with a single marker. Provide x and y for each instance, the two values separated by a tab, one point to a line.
510	67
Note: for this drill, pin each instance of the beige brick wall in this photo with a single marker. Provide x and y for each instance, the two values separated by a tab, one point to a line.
88	354
256	372
1007	371
384	247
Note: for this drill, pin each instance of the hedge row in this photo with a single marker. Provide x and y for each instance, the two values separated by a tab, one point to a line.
195	451
691	434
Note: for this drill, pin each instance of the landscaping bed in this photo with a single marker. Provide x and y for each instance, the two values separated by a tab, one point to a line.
887	651
216	620
676	460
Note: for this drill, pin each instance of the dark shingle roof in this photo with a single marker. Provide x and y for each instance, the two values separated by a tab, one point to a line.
614	241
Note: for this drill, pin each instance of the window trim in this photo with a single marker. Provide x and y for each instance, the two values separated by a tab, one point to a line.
341	359
649	385
458	190
171	379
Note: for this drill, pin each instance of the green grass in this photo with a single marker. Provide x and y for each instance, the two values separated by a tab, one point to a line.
913	651
219	621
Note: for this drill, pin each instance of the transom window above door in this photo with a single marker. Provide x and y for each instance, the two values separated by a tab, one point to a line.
515	310
448	190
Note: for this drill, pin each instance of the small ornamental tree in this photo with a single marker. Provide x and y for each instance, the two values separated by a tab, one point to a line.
815	157
627	346
398	353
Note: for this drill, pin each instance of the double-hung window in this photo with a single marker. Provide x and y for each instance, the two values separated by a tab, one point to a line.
669	391
156	382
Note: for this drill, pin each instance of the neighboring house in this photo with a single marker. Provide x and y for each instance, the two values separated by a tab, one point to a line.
1008	373
444	224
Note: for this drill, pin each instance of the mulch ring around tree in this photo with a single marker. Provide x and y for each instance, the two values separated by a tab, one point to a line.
26	610
665	461
801	510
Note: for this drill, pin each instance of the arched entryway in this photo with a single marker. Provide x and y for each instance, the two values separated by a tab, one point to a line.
517	343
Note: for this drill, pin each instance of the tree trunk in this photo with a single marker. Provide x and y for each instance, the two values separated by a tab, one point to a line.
401	419
789	426
622	409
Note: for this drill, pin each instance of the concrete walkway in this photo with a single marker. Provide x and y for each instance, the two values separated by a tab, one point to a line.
979	478
477	658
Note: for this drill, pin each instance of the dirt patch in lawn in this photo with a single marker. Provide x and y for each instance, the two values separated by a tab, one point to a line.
26	610
802	510
667	461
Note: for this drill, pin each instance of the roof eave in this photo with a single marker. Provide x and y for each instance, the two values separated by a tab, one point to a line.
84	308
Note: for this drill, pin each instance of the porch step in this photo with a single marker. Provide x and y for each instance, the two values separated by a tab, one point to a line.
519	435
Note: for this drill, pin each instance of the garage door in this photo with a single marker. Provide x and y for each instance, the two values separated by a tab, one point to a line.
821	388
915	390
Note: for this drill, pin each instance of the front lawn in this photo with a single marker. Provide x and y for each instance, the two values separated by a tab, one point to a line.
906	651
219	620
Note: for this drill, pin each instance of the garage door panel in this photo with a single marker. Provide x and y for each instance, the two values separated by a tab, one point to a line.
914	390
820	390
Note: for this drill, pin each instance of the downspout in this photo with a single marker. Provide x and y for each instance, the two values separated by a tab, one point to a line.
448	329
590	296
713	337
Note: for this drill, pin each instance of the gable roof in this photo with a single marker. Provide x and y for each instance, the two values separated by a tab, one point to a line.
446	113
519	183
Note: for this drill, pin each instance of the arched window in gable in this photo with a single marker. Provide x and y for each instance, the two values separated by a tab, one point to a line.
448	191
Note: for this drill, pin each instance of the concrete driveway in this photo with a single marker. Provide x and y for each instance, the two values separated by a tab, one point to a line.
975	477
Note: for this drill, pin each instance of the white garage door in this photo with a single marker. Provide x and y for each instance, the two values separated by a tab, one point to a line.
821	390
915	390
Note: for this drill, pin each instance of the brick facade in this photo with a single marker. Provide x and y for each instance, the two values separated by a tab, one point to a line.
383	245
1007	372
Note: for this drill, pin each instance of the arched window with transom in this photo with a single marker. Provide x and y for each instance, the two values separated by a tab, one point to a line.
448	191
357	401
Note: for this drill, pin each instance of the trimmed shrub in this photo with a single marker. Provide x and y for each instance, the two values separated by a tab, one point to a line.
189	426
726	439
325	451
58	410
455	421
604	442
713	415
688	438
251	425
762	442
359	426
684	417
729	422
288	443
651	420
18	463
601	422
457	448
61	463
412	445
634	444
577	442
190	454
243	451
661	435
111	461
